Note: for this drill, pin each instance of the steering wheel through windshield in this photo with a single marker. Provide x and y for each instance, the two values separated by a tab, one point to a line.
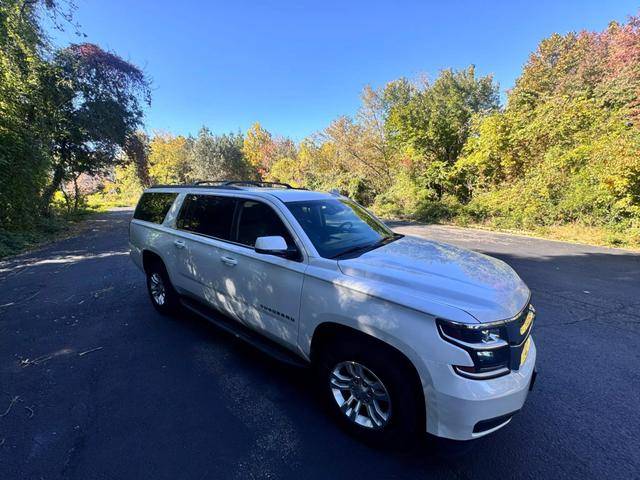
345	227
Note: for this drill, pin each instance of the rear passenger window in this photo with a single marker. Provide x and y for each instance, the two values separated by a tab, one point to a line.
153	206
207	215
259	220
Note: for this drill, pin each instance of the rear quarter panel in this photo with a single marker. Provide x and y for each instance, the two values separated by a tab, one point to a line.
156	238
153	238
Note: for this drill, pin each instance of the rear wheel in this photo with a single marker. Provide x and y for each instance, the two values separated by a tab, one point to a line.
371	391
162	294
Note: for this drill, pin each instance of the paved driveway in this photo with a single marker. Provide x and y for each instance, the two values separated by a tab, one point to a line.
94	384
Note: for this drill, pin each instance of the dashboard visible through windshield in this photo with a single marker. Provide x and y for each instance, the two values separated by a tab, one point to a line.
339	227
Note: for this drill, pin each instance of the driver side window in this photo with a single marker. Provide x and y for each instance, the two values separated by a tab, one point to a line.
257	219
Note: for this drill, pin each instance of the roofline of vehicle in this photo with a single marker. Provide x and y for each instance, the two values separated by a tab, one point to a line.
235	188
216	187
230	185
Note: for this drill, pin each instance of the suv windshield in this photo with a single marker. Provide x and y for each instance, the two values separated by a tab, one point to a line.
339	227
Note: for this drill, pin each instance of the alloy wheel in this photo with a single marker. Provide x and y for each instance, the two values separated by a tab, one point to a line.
360	395
158	291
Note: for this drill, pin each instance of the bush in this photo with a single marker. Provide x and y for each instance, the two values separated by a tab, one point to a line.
404	199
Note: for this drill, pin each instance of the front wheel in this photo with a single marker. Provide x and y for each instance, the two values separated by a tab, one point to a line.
371	392
360	395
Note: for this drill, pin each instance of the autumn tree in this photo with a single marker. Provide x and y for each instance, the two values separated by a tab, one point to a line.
566	148
99	99
169	159
262	150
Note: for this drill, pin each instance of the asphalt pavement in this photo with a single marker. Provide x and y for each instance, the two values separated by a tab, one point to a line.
94	384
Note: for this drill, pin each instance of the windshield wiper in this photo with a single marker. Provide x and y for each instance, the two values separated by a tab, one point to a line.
370	246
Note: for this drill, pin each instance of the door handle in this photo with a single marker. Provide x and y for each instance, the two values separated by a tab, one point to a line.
179	243
229	261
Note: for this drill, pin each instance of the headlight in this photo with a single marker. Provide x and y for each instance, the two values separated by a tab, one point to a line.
486	344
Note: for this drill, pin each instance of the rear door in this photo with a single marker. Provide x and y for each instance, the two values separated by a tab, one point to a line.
203	232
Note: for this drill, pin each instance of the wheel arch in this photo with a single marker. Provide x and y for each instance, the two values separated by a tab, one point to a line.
149	257
326	332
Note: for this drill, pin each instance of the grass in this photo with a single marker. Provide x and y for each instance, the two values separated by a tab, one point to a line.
45	230
103	203
61	224
574	233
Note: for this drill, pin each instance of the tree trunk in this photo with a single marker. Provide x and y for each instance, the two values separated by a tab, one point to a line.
76	193
50	190
67	199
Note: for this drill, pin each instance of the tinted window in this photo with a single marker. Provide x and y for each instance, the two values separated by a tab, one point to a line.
259	220
153	206
337	226
207	215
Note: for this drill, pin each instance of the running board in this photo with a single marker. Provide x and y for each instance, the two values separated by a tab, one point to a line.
238	330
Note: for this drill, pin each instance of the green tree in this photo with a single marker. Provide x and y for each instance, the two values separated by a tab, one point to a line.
218	157
137	148
24	156
434	121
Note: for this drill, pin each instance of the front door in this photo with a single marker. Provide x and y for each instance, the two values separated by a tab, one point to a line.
265	289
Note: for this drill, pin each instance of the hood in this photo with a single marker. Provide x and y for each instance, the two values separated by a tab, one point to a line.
426	272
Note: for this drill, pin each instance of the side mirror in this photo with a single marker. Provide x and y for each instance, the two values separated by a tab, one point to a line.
277	246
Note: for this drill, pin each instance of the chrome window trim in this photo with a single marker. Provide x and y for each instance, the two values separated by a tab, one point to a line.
238	199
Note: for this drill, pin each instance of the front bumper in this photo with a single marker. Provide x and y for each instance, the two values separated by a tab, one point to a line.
455	405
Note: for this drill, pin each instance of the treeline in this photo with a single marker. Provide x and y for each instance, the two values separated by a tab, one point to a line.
563	151
63	113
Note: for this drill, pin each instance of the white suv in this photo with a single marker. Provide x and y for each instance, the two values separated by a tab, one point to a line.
406	334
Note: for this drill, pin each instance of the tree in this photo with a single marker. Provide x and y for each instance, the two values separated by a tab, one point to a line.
136	148
286	170
219	157
169	159
262	150
24	156
566	147
98	99
435	121
258	147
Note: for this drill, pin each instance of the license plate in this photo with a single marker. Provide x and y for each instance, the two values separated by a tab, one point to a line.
525	351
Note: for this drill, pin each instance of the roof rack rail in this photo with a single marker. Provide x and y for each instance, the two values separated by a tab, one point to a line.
196	184
255	183
229	184
209	182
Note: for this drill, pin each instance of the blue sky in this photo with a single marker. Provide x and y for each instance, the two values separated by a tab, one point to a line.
296	65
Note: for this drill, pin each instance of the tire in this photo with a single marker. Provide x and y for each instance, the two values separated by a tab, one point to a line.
396	423
163	296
